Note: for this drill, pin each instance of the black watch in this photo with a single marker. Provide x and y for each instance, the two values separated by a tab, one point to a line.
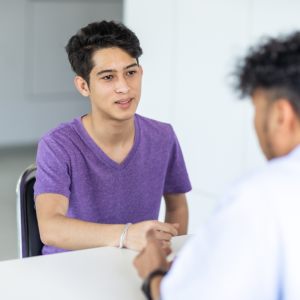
146	284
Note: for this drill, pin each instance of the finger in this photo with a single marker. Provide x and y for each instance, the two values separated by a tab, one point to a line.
163	236
175	225
150	235
168	251
165	244
168	228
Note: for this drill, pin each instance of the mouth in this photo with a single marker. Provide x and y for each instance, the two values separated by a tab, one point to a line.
125	103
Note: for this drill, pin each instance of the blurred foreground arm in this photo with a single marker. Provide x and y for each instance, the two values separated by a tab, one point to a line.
152	258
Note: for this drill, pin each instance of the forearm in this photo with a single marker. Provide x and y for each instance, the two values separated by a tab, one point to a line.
72	234
177	211
179	215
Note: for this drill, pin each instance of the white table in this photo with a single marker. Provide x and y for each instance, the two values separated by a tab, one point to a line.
100	273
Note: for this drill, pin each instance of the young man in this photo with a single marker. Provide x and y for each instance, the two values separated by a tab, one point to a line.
111	167
250	248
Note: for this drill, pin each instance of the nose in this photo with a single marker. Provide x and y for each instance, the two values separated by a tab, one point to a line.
122	86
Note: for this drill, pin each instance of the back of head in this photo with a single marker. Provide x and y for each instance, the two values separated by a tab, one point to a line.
97	36
274	66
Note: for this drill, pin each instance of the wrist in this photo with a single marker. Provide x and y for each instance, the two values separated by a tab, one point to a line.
116	234
126	243
154	286
123	235
151	289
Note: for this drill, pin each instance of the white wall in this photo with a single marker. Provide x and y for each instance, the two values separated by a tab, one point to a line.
190	47
37	89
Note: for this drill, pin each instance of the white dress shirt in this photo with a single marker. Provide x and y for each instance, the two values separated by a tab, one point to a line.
250	247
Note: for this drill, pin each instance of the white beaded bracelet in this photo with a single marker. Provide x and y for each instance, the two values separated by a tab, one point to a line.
122	238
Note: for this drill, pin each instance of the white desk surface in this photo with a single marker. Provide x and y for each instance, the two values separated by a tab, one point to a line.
99	273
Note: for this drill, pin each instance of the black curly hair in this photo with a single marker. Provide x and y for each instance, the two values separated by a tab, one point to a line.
274	66
96	36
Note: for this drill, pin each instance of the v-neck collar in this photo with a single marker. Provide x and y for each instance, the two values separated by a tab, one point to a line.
100	153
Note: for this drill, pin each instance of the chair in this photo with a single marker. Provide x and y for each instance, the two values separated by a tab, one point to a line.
29	241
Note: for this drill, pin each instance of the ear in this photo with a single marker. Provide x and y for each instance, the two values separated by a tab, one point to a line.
82	86
283	118
141	70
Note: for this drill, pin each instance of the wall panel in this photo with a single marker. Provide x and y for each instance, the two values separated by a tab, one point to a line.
152	21
209	119
36	81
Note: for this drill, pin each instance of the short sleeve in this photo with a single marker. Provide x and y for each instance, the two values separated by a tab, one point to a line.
53	168
177	179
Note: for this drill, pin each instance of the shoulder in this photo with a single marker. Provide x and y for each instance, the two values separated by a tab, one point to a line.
59	140
63	135
274	174
156	129
268	184
61	131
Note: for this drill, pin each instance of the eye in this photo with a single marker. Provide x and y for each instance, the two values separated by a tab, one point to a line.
131	72
107	77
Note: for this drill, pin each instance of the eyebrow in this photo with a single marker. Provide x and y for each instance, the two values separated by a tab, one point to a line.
111	70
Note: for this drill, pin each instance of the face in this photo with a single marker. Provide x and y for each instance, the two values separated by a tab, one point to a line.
262	123
115	84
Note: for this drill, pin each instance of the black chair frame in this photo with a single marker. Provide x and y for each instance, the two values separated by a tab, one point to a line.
29	242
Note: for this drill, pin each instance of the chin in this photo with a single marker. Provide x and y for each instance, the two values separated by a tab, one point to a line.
125	116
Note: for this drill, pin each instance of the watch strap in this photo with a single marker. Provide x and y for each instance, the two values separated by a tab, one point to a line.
146	284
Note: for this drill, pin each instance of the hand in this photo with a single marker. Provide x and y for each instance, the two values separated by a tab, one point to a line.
152	257
136	235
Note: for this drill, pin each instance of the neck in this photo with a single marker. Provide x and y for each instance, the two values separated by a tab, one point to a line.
283	146
289	148
107	131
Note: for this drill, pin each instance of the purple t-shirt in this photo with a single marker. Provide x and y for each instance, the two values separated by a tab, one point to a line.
100	190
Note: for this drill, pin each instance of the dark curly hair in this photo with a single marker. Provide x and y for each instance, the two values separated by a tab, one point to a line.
96	36
274	66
